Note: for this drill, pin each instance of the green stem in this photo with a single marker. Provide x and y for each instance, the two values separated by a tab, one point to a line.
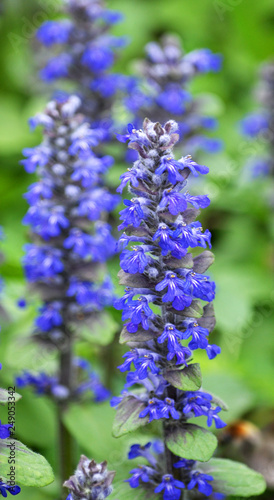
66	442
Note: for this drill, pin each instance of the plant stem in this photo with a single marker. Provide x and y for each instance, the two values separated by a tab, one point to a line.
66	445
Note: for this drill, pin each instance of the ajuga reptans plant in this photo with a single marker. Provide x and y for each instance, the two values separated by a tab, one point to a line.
164	92
168	313
65	263
85	54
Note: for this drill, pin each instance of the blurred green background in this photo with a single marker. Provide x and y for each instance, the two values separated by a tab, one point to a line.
239	216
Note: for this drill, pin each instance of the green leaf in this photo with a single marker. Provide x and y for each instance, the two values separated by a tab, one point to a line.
140	336
219	402
31	469
195	310
6	396
232	389
123	491
188	379
191	442
127	416
101	331
234	478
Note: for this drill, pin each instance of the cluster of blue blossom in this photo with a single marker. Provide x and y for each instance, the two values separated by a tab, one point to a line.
68	200
165	319
260	124
170	487
87	52
91	481
71	241
87	381
168	72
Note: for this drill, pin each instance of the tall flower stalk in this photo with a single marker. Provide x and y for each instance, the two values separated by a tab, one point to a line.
260	124
65	263
85	51
169	315
164	92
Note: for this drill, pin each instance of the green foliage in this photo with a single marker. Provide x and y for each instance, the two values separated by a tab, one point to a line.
234	478
5	395
31	468
102	330
127	416
191	442
188	379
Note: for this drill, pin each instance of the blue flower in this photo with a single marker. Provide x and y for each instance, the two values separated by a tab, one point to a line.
57	67
181	302
133	136
171	166
164	234
199	335
6	488
183	463
191	234
41	119
136	450
176	202
182	354
168	409
130	176
198	201
199	286
83	291
42	263
138	311
253	124
212	416
130	358
204	60
171	487
175	285
200	481
21	303
52	32
4	430
50	316
82	142
37	191
112	16
135	261
212	351
132	215
41	382
171	335
173	99
143	473
126	299
36	157
79	242
143	363
195	169
155	410
97	58
197	402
